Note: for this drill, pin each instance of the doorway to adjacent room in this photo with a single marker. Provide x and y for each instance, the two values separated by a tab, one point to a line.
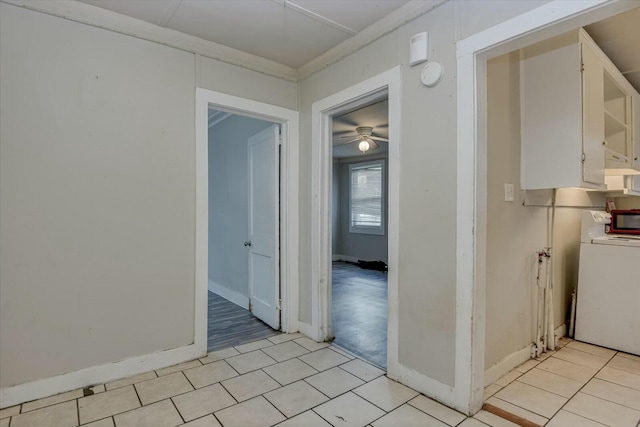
246	221
359	230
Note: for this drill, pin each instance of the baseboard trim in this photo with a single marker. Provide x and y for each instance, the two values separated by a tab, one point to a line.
346	258
428	386
10	396
231	296
506	365
560	331
516	359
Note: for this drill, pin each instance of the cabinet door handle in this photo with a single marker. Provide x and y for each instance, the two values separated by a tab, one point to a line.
247	243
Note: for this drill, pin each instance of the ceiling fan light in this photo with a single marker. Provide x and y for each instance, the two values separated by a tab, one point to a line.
364	146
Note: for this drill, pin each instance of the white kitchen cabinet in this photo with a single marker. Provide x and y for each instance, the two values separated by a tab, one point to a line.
576	115
629	185
617	122
634	181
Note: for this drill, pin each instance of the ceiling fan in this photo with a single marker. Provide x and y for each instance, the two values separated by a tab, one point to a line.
366	137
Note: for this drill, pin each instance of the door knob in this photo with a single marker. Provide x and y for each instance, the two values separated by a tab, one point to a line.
247	243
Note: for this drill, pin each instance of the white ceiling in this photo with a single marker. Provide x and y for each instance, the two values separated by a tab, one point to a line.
288	32
619	38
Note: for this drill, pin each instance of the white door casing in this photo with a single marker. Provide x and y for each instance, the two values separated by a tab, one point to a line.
263	244
377	87
546	21
289	206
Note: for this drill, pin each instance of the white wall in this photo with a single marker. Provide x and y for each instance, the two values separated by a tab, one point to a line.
97	188
427	253
628	202
427	197
229	203
477	15
515	233
368	247
97	192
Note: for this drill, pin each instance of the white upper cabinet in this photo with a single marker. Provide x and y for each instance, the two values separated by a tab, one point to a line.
634	181
629	185
576	115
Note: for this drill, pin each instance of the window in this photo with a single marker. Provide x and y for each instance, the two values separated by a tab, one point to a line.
366	197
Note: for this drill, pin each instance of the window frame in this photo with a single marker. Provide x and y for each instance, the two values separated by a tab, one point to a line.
365	229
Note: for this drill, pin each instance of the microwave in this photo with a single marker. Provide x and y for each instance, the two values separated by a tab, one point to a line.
625	221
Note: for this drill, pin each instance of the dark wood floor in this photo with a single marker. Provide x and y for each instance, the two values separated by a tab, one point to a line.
359	311
230	325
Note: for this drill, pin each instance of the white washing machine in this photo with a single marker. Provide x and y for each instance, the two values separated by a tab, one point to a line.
608	306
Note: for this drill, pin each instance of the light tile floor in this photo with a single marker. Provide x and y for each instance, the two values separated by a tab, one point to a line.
289	381
286	380
577	385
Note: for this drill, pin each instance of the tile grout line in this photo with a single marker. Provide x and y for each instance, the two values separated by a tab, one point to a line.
561	375
230	394
189	381
304	380
542	389
285	417
583	386
139	400
611	401
267	374
432	415
526	409
178	411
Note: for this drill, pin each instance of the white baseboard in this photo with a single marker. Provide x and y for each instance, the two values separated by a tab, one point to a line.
560	331
231	296
347	258
15	395
507	364
428	386
515	359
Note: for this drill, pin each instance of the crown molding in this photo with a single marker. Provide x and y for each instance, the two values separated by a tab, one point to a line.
106	19
101	18
389	23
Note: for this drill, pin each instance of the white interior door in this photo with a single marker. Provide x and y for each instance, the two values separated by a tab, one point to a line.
264	242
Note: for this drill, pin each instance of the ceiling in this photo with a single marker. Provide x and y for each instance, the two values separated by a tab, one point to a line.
375	115
619	38
288	32
294	32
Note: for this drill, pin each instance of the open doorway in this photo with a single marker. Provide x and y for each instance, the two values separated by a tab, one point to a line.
384	86
474	56
244	229
359	295
539	246
286	209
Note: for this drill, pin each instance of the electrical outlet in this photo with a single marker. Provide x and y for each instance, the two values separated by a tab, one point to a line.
508	192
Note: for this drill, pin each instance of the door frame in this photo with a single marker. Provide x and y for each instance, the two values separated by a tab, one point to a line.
386	83
546	21
289	207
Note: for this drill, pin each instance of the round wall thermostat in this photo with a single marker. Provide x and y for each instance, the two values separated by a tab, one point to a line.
431	74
